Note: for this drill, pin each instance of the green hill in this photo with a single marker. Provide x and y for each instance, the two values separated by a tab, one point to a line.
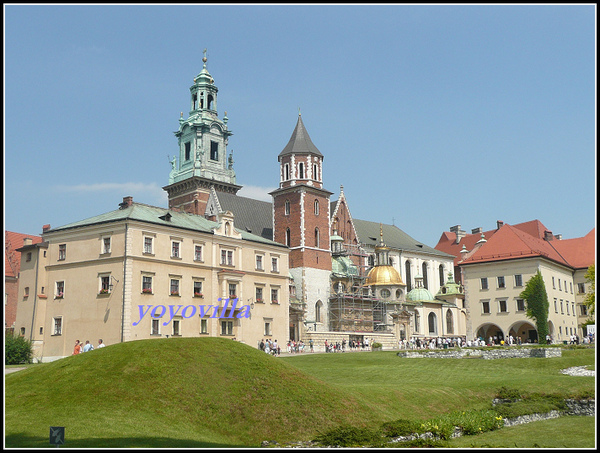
185	392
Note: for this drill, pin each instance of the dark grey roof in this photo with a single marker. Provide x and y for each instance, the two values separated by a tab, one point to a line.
300	142
253	216
393	237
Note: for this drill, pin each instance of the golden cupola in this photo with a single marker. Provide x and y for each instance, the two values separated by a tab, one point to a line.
383	273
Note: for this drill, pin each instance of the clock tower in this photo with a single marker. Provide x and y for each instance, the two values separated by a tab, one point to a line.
202	160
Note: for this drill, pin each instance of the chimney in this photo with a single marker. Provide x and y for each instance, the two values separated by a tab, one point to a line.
548	235
45	228
499	224
127	201
477	230
459	233
27	241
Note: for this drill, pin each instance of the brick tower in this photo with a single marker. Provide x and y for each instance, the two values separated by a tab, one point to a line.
301	221
203	160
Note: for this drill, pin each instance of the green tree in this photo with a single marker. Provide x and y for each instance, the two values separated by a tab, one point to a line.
590	297
17	349
537	304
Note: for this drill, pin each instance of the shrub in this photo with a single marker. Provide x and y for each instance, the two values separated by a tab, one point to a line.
508	394
399	428
376	345
17	349
349	436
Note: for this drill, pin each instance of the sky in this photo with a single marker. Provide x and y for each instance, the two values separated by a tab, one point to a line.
429	116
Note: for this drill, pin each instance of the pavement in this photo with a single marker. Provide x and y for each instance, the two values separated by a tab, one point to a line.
12	370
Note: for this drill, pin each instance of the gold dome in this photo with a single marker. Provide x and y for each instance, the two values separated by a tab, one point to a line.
384	275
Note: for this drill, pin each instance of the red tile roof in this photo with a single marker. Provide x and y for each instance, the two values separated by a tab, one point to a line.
12	258
519	241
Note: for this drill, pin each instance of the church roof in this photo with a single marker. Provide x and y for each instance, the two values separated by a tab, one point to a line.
253	216
300	142
395	238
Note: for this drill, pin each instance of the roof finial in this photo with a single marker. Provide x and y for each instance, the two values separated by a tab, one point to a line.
299	114
204	57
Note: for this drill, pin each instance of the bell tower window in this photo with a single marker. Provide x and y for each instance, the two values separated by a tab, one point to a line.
301	171
287	172
210	102
194	101
188	147
214	150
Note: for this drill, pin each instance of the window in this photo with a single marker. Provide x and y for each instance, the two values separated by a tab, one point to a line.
385	293
28	258
286	169
417	321
198	289
520	305
258	294
203	326
301	170
259	263
562	311
227	257
104	284
60	290
226	327
555	305
316	172
485	307
518	280
148	243
484	283
580	288
553	283
268	328
449	322
573	308
567	304
174	291
316	207
501	283
408	276
176	327
214	150
571	285
232	290
441	271
274	264
155	327
62	251
175	249
559	287
317	238
57	326
26	292
188	148
425	282
197	252
106	245
274	296
318	307
583	310
432	322
287	207
502	306
147	284
288	237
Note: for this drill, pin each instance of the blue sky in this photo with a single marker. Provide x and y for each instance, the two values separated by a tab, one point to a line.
428	115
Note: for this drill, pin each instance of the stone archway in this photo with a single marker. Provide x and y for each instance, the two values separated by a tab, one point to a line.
489	330
525	331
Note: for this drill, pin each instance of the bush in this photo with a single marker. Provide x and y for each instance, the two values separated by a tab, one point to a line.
349	436
399	428
17	349
376	345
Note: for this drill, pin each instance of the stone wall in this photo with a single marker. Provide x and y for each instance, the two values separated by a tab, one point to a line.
488	354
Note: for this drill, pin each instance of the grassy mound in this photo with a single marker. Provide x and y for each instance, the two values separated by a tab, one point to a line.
187	392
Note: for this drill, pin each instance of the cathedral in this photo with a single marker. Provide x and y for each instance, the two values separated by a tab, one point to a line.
350	279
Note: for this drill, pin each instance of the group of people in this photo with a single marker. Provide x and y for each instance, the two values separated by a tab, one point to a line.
81	348
270	347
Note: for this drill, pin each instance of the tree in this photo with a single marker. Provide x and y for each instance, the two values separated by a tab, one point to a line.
536	299
17	349
590	297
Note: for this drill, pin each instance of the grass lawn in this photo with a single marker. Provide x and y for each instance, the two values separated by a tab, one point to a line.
211	392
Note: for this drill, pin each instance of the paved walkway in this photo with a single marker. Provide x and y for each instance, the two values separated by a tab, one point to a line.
12	370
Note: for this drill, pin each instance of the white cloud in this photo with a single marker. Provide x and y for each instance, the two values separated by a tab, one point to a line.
256	192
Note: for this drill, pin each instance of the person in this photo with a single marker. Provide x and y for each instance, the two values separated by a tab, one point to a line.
88	347
100	344
311	343
77	349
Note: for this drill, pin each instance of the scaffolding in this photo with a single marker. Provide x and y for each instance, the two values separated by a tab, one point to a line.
352	307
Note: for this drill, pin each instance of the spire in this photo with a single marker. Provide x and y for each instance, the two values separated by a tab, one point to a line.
300	142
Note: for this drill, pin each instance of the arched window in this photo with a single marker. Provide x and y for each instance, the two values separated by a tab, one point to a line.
432	321
318	307
317	239
288	237
316	207
441	275
425	284
287	207
417	321
408	276
226	228
449	322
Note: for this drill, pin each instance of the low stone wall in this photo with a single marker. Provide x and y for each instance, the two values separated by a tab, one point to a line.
488	354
